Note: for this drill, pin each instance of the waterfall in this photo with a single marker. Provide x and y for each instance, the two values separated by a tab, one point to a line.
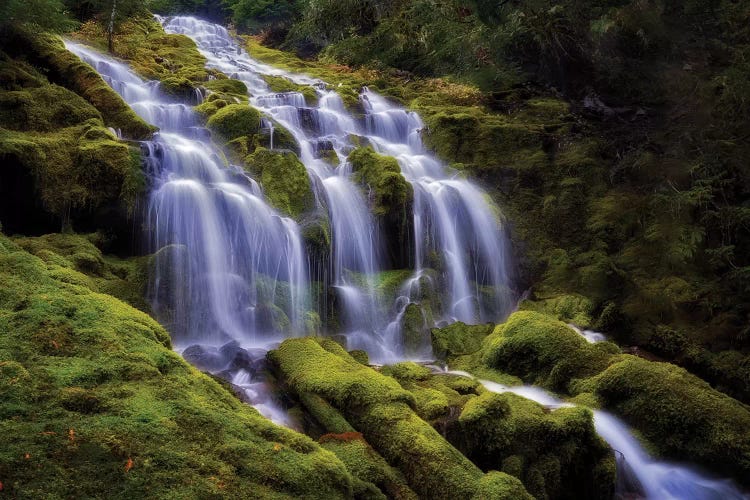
226	267
452	218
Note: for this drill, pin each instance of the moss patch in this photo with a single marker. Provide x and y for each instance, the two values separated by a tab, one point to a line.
284	179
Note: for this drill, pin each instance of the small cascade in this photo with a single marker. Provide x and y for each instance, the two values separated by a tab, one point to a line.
227	267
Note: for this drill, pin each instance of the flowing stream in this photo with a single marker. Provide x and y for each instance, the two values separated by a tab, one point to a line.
452	218
638	474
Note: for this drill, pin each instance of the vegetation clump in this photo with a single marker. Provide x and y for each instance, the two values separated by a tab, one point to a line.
284	179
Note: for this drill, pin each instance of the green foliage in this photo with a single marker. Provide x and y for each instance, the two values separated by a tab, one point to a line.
381	175
41	14
97	402
235	120
253	14
284	179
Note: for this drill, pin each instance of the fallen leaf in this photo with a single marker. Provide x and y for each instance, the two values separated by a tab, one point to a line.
276	447
27	456
71	434
129	464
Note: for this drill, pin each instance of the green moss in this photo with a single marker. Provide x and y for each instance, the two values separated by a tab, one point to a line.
458	339
677	411
575	309
501	486
361	356
235	120
99	404
542	351
381	177
365	463
556	454
281	84
379	408
284	179
67	70
76	167
406	370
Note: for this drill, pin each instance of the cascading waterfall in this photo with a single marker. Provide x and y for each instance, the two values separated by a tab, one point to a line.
452	218
227	266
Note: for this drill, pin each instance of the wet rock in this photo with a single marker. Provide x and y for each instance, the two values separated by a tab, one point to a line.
204	358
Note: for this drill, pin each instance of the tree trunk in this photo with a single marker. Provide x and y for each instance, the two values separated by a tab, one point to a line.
111	27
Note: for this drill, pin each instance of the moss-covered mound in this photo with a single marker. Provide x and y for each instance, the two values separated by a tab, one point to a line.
390	197
94	403
284	179
60	165
381	177
235	120
379	408
679	412
556	454
543	351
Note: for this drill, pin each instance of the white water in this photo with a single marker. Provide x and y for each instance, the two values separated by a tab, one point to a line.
229	267
452	217
636	470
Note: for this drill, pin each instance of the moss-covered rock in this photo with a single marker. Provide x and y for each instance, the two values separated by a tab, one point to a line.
98	404
390	197
235	120
284	179
542	351
365	464
458	339
558	454
679	412
381	176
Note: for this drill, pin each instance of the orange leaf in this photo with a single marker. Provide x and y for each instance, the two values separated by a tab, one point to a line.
276	447
27	456
71	434
129	464
55	344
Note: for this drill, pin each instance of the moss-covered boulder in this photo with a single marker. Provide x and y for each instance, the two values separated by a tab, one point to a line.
459	339
284	179
97	404
379	408
390	197
556	454
235	120
542	351
679	412
381	176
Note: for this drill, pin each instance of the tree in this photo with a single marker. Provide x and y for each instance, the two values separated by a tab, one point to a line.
46	14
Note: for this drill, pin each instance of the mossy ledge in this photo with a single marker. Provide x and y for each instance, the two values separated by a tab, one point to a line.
96	401
67	70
